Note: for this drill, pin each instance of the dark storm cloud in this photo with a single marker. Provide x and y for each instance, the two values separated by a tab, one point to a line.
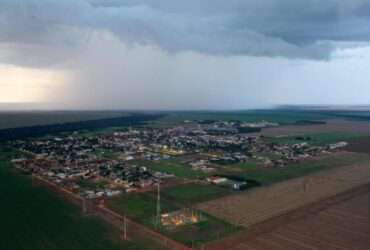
272	28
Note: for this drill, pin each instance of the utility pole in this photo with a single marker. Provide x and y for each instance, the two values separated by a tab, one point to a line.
158	204
84	208
124	228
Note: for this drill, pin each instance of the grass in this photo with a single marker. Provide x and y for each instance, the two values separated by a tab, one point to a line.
89	184
243	165
193	193
208	230
315	139
173	167
283	117
33	218
268	176
142	208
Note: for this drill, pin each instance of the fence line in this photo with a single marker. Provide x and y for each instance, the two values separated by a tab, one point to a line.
133	229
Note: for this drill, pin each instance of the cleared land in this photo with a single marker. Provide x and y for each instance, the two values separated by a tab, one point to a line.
342	223
361	145
34	218
256	206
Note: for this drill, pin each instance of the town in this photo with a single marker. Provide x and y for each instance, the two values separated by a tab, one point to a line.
107	164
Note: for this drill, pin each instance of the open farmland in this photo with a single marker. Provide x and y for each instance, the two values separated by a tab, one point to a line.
332	126
253	207
267	176
192	193
280	116
32	218
316	139
342	222
361	145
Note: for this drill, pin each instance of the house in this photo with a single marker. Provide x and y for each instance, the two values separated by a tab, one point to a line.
217	180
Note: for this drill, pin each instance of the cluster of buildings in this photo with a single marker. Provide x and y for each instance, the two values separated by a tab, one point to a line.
106	164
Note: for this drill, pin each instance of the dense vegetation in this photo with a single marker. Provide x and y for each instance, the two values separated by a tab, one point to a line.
14	119
41	130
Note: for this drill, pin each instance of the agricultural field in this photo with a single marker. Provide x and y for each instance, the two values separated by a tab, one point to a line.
343	224
267	176
319	139
280	116
192	193
142	208
360	145
331	126
258	205
15	119
32	218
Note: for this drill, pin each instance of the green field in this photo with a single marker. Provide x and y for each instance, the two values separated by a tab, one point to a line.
315	139
244	165
174	167
92	184
32	218
142	208
280	116
193	193
208	230
268	176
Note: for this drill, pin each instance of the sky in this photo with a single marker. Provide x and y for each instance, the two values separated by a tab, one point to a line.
194	54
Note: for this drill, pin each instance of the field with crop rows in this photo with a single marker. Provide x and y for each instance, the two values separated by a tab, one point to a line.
341	223
258	205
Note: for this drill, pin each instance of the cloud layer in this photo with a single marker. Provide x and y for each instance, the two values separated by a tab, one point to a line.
193	54
50	31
